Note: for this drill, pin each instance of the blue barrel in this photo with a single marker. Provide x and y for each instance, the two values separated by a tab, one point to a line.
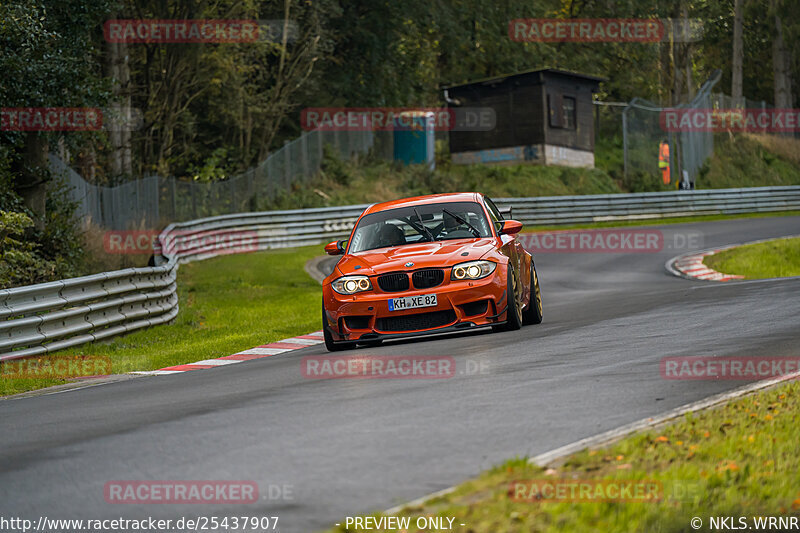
414	138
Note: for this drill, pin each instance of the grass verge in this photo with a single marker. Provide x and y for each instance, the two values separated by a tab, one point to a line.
739	459
227	304
773	259
236	302
746	160
751	160
371	180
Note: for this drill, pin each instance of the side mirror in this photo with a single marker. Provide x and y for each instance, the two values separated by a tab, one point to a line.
510	227
335	248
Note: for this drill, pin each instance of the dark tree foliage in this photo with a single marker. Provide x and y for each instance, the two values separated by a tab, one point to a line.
210	111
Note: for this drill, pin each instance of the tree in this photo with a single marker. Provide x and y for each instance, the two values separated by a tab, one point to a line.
119	72
212	109
781	60
46	60
736	69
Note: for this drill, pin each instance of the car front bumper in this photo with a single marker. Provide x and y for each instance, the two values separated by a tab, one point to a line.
461	305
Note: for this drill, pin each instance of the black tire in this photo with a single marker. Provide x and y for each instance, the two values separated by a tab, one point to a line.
514	308
533	313
329	344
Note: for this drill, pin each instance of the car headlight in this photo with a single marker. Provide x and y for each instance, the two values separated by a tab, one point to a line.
351	284
472	270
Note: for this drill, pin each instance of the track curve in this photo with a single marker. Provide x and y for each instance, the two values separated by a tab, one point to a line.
352	446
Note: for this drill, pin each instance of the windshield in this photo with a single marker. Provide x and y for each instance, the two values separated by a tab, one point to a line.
421	223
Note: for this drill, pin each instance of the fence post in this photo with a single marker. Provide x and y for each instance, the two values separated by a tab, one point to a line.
192	187
287	164
304	154
270	176
174	200
140	198
252	194
625	142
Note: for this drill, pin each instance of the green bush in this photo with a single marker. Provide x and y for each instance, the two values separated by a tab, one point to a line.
28	255
334	167
20	261
60	241
748	161
645	182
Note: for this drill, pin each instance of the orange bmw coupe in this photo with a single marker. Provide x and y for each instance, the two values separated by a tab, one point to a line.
425	265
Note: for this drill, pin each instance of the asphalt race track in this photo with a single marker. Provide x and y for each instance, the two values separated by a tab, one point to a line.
343	447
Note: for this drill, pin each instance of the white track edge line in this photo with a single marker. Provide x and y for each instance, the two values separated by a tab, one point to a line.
613	435
670	268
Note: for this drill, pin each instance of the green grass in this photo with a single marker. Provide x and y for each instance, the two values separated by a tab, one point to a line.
371	180
749	160
774	259
744	160
227	304
739	459
236	302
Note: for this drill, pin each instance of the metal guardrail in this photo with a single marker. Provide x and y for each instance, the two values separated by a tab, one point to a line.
194	240
47	317
611	207
43	318
50	316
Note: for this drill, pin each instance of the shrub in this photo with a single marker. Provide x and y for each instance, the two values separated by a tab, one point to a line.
20	261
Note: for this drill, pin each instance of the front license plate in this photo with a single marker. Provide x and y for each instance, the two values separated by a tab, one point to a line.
412	302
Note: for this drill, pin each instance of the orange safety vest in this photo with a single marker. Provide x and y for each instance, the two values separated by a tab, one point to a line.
663	155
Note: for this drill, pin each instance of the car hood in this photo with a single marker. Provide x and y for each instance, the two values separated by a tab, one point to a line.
423	255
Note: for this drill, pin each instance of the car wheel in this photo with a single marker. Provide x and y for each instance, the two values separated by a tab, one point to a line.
329	344
533	314
514	309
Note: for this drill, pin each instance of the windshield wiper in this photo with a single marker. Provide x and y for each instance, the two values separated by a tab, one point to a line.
424	227
460	220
